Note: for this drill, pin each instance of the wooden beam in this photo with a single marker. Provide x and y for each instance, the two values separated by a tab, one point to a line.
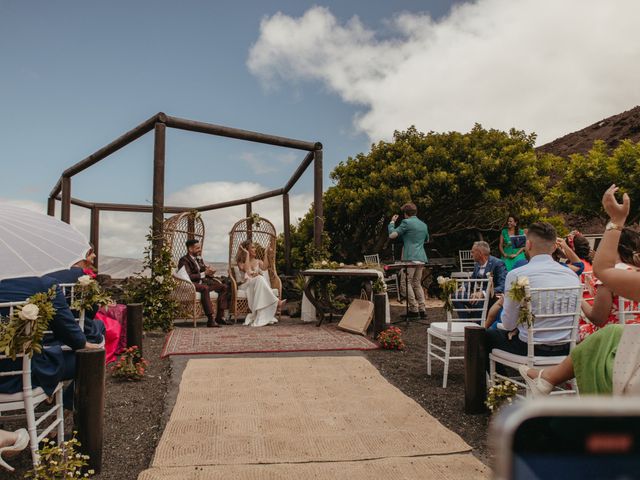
125	207
318	220
286	214
158	187
114	146
248	209
94	235
212	129
65	214
241	201
51	206
57	188
299	171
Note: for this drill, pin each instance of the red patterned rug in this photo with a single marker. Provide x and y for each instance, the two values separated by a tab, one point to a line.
277	338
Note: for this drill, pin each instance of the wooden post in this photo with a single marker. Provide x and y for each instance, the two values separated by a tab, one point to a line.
65	215
475	361
51	207
191	227
249	210
379	313
88	414
94	236
318	222
134	325
286	212
158	187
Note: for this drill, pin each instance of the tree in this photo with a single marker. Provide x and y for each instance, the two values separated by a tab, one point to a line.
462	183
587	176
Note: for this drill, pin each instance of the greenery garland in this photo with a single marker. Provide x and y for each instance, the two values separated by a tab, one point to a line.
88	294
25	329
501	393
448	286
520	293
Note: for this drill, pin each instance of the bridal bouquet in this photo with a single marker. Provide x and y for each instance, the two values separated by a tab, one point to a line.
520	293
448	286
88	294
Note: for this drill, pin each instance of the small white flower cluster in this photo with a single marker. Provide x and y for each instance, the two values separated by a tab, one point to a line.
441	280
522	282
85	280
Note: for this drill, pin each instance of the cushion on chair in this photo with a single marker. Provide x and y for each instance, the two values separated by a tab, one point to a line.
182	275
457	328
17	397
522	359
212	295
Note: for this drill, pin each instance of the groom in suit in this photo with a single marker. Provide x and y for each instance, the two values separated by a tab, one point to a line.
204	281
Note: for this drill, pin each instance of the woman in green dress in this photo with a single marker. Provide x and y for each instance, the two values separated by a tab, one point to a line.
510	253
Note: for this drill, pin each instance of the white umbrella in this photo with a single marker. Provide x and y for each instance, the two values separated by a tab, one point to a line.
33	244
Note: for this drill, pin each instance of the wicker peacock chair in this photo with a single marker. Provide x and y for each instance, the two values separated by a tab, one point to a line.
177	230
263	234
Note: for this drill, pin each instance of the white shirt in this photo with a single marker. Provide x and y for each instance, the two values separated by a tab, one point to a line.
543	272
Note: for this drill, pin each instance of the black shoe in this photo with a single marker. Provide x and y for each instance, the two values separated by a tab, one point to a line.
222	321
410	315
423	315
213	324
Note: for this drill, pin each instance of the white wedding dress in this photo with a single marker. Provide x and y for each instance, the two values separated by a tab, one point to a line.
262	301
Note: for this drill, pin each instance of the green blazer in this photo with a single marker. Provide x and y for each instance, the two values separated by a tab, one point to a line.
414	233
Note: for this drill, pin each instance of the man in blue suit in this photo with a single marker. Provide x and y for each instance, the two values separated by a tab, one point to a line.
488	264
53	364
413	232
94	330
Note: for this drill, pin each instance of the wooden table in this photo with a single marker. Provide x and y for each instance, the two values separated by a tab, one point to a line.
315	275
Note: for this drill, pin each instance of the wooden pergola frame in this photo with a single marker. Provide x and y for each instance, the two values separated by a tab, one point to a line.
159	123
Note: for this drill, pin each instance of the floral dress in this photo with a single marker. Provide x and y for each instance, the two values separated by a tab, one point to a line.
586	328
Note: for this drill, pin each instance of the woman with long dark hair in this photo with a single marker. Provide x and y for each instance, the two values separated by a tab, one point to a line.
511	253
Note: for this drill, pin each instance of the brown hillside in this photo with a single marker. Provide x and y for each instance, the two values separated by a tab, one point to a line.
611	130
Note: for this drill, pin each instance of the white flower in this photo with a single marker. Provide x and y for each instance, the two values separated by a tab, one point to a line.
359	264
441	280
522	282
324	262
85	280
341	264
160	279
29	312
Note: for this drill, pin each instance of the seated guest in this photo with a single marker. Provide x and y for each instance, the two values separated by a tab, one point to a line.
53	364
203	279
567	257
542	272
486	264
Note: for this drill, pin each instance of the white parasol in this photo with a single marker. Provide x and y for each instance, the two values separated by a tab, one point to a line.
33	244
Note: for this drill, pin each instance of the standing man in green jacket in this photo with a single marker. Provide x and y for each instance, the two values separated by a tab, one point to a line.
414	233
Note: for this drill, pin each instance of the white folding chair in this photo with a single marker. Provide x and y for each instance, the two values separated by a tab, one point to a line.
555	309
392	281
628	310
69	291
470	300
467	263
28	399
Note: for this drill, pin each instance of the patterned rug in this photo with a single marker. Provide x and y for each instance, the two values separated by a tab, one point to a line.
278	338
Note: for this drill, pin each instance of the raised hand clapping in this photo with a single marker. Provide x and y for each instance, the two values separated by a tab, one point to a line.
618	212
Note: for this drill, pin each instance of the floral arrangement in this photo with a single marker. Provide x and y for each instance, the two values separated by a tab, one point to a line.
255	219
328	264
89	294
24	330
60	461
196	214
447	287
520	293
501	393
379	286
131	365
155	292
391	339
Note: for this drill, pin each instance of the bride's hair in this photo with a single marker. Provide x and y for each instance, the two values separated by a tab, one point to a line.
241	255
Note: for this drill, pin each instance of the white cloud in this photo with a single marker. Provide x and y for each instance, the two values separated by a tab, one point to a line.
263	163
540	65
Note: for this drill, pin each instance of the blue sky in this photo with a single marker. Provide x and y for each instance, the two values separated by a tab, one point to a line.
76	74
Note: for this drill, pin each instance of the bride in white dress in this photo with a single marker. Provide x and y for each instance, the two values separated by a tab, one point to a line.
263	303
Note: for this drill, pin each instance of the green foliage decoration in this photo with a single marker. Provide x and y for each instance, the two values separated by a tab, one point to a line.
89	294
155	291
24	330
60	461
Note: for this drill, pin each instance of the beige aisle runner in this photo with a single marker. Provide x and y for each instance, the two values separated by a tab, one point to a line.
305	417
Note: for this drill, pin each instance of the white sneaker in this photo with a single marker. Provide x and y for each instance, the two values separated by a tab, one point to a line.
539	386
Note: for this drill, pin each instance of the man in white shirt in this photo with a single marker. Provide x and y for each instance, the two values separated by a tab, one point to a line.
543	272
